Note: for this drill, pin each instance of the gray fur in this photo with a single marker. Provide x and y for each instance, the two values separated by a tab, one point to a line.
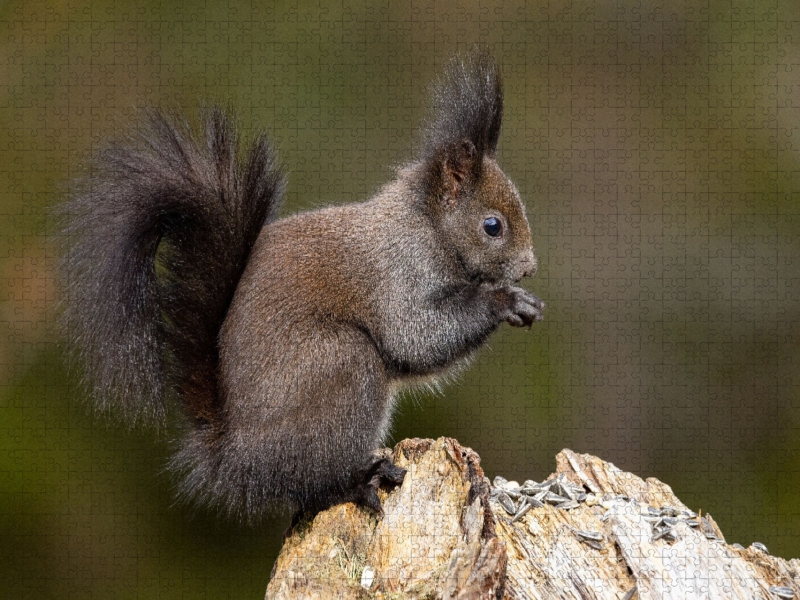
335	310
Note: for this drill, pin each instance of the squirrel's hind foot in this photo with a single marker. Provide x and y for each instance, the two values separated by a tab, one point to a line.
385	471
382	471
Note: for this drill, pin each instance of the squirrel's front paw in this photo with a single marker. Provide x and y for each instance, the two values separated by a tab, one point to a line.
523	309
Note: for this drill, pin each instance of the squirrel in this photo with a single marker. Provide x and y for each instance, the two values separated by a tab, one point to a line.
286	340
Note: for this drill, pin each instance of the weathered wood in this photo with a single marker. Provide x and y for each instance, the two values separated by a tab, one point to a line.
441	536
435	539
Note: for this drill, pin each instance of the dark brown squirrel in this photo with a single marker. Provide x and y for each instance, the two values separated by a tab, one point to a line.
286	340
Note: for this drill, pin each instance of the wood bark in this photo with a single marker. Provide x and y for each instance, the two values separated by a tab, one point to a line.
444	534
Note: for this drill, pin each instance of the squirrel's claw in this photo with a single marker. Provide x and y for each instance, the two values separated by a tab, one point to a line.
382	471
524	308
366	495
385	471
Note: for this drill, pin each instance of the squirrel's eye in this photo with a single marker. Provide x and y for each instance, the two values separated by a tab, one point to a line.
492	227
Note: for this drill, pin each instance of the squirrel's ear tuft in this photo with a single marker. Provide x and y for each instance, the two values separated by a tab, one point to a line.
465	122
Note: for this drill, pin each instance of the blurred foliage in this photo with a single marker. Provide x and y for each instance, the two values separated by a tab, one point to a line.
653	143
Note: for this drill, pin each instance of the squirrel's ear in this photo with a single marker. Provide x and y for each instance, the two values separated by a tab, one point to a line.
464	125
453	167
461	160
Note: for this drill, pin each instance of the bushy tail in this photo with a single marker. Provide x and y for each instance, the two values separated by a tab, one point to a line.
156	237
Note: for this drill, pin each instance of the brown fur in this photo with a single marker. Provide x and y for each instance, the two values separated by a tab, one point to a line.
287	340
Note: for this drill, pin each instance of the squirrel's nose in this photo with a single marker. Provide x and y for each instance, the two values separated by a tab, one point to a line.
529	264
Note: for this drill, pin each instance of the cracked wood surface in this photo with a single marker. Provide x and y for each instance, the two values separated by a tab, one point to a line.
442	537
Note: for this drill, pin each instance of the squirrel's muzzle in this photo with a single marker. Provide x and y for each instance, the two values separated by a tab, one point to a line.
526	265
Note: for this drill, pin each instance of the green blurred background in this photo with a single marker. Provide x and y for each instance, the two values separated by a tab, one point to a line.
654	144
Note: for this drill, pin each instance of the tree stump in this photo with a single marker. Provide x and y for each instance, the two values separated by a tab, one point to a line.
589	531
